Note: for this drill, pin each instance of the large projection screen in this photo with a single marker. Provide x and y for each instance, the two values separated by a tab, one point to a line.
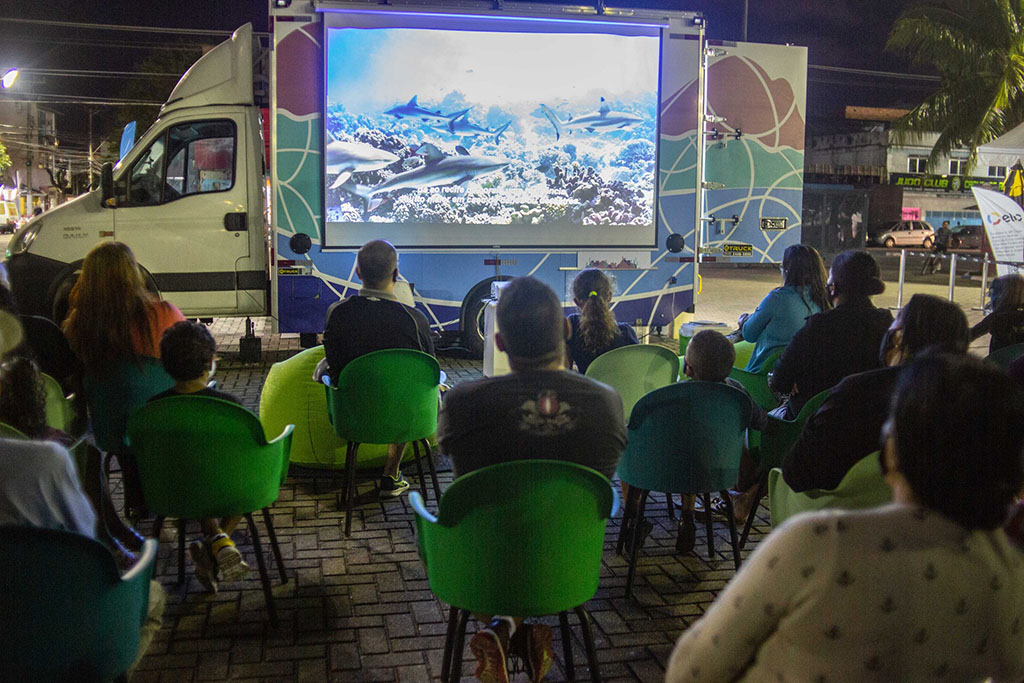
448	131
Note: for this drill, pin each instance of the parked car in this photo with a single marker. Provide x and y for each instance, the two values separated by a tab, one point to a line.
905	234
967	237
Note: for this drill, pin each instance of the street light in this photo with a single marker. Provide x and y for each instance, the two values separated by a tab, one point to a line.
7	80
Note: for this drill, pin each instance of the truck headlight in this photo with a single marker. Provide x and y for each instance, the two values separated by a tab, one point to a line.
22	240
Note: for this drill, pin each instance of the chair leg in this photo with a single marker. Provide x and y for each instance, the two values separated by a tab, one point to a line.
269	522
627	515
350	484
670	505
433	470
158	525
460	641
181	551
588	644
449	640
761	486
732	528
570	667
262	565
707	525
419	469
634	537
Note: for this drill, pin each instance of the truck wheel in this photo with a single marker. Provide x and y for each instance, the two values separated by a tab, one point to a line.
889	243
473	327
59	304
927	244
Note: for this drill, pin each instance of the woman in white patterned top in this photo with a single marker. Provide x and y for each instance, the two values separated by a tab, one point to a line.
925	589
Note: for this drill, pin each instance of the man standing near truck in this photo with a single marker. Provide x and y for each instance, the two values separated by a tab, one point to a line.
374	321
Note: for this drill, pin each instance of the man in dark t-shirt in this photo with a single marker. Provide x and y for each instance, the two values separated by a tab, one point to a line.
540	410
374	321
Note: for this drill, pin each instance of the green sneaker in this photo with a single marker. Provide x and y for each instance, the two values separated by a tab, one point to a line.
391	487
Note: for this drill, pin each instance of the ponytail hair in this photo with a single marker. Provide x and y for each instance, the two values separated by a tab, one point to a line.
592	291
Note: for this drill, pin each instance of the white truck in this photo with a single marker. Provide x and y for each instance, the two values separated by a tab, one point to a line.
479	165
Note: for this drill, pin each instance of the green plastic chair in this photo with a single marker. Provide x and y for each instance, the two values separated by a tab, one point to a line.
119	392
862	487
635	370
522	538
385	397
770	361
9	432
776	440
744	350
683	438
202	457
60	413
65	612
756	385
1005	356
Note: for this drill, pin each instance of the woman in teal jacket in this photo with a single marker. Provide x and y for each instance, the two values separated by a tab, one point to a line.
782	313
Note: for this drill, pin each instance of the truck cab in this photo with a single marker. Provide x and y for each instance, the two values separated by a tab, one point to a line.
188	198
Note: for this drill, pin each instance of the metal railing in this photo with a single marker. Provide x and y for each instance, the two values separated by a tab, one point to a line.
985	261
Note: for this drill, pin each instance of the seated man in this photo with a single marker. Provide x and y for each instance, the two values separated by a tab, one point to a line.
540	410
187	353
847	425
373	321
709	358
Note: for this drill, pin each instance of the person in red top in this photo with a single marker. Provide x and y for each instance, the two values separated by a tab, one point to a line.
112	316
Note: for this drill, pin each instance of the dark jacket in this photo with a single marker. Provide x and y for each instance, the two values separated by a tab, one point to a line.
846	427
832	345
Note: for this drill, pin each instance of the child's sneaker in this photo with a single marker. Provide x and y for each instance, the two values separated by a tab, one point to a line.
393	486
206	569
229	558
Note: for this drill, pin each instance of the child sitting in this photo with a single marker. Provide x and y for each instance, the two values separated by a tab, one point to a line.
709	358
23	401
187	352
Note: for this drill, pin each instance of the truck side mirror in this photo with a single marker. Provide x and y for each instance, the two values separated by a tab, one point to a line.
107	184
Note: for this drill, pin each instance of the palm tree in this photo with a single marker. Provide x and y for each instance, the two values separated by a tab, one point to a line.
977	46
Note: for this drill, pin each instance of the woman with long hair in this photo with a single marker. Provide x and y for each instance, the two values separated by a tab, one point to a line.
1006	321
594	330
112	316
23	401
836	343
782	313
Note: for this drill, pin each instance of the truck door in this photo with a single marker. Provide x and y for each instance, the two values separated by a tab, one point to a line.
183	210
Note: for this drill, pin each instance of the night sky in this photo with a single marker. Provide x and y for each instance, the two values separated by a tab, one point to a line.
848	33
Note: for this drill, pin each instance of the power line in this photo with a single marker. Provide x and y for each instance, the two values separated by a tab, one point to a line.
93	73
874	72
82	99
126	27
99	42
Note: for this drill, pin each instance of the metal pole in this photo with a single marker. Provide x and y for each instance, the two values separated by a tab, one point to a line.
698	224
984	280
952	276
903	272
746	7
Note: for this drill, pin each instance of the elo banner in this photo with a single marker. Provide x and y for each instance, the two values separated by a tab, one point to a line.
1004	224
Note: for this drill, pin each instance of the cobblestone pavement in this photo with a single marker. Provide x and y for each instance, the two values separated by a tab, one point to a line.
360	609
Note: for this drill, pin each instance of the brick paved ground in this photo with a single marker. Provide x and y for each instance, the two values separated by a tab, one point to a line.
360	609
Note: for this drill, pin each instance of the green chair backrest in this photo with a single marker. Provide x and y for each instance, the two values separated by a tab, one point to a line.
522	538
744	350
9	432
779	435
771	360
686	438
634	371
115	395
862	487
59	412
65	613
1005	356
203	457
757	386
386	396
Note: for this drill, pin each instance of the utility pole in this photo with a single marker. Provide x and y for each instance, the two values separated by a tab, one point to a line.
90	148
746	8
